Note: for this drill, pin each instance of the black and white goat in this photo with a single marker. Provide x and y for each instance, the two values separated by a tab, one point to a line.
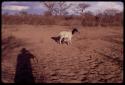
66	36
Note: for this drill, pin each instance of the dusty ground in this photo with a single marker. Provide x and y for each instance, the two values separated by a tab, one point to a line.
95	55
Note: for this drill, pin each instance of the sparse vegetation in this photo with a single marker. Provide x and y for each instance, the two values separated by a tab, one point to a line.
57	14
95	56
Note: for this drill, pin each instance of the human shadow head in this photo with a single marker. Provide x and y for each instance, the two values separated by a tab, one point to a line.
26	53
23	50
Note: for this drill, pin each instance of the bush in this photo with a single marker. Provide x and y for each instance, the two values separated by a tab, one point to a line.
88	20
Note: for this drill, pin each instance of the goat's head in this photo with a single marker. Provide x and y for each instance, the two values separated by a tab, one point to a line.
74	30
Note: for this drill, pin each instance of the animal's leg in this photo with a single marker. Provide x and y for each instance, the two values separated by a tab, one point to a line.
60	41
67	43
70	41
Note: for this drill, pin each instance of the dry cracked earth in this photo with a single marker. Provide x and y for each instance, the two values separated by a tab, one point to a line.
95	55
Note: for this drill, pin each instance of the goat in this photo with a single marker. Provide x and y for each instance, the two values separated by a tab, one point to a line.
66	36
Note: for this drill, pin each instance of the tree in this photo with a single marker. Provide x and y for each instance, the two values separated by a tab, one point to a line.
57	8
80	9
110	11
6	14
88	13
23	13
50	7
61	8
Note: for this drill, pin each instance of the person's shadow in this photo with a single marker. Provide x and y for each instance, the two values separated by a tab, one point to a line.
23	68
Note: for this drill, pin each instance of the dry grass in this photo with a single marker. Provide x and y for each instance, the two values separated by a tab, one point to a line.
95	55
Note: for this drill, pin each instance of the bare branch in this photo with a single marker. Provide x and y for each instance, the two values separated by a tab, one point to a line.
81	8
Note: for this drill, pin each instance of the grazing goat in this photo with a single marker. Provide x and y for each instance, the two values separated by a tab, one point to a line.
66	36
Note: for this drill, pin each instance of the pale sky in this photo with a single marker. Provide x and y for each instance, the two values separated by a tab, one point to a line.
36	7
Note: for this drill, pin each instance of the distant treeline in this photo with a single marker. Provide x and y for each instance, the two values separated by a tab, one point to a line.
87	19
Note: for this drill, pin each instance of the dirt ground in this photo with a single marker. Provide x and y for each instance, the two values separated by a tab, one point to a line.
95	55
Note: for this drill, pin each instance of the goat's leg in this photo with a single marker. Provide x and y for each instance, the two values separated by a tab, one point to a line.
60	40
70	41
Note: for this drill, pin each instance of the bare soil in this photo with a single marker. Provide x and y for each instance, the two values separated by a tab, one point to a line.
95	55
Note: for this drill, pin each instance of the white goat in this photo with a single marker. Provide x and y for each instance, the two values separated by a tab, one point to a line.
66	36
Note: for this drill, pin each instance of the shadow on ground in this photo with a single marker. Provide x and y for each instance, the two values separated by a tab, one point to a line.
56	39
23	68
